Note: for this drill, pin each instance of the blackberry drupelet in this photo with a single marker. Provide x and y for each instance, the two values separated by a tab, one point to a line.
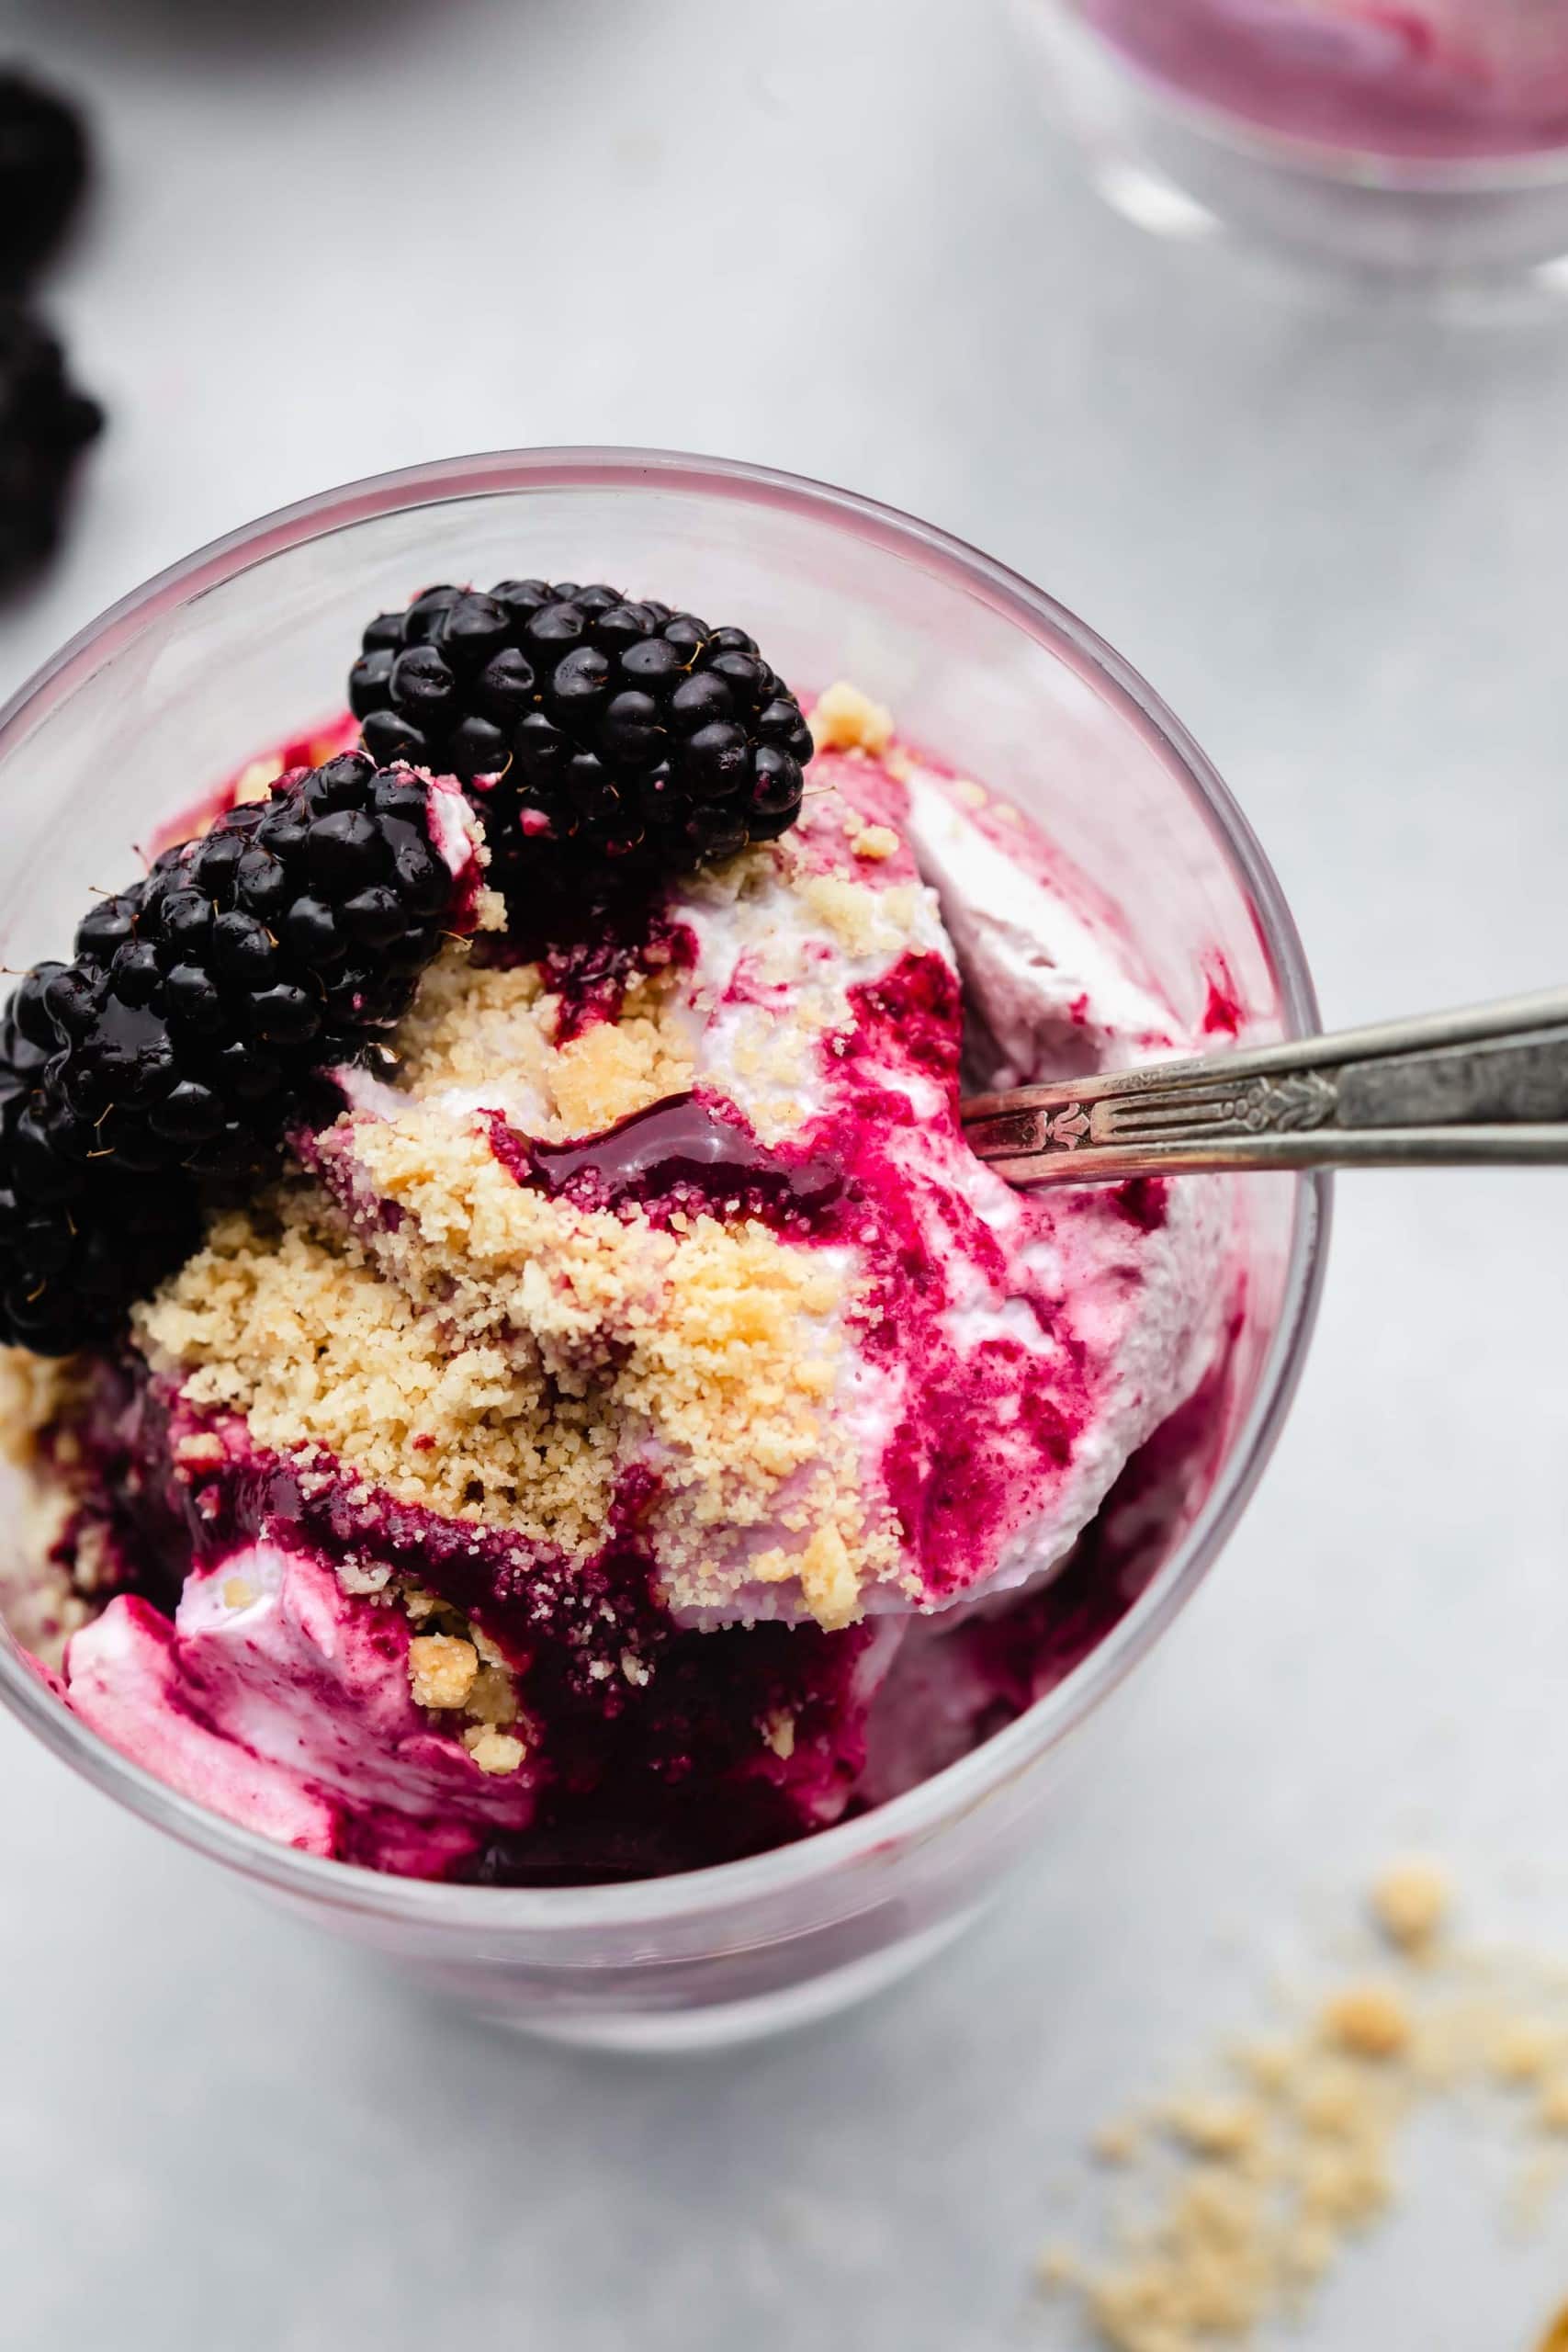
45	424
43	166
616	730
171	1054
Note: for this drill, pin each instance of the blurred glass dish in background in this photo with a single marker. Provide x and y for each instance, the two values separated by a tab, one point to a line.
1430	137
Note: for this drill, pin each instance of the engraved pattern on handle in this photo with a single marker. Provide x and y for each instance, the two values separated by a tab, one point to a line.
1258	1106
1189	1114
1487	1085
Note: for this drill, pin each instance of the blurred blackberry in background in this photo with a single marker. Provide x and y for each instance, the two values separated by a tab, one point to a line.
593	728
43	168
184	1038
45	424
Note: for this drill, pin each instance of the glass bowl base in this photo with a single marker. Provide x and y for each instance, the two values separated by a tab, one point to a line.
656	2033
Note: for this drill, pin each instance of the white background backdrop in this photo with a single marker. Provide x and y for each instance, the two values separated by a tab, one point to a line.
839	236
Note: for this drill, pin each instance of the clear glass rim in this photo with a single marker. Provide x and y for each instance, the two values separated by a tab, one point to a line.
688	1895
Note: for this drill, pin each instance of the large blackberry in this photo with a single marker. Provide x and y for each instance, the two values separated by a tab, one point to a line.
45	422
43	163
616	730
172	1052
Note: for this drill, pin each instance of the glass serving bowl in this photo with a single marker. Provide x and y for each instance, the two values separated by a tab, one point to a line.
1427	140
245	643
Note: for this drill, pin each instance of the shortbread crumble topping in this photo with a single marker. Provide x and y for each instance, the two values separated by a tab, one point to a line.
500	1357
474	1027
456	1671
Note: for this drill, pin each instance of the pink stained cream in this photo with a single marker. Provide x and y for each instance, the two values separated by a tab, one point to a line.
957	1410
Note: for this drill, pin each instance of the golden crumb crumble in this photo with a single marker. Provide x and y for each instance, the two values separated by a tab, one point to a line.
864	920
1524	2049
36	1393
494	1751
1370	2020
442	1669
845	720
614	1070
778	1732
827	1574
1409	1903
500	1356
1267	2187
475	1026
55	1557
455	1668
281	1317
199	1450
1215	2127
1233	2205
875	843
469	1022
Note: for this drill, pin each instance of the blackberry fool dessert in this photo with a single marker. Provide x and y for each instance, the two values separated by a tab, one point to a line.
517	1373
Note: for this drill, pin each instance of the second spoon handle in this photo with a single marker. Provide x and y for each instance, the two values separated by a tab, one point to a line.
1487	1085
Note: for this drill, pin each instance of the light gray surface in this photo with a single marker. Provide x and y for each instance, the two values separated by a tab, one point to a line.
838	238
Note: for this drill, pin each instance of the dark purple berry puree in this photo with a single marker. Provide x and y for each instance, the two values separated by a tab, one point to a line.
631	1431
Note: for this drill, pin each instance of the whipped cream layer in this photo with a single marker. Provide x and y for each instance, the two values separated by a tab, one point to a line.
547	1473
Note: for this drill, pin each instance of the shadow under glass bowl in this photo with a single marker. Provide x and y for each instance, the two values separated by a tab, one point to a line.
247	642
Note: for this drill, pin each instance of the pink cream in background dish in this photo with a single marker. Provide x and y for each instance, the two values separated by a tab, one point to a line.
639	1432
1398	78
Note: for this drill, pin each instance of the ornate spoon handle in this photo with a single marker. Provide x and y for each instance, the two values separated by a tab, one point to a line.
1489	1085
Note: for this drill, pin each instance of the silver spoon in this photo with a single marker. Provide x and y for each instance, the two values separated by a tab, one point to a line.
1488	1086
